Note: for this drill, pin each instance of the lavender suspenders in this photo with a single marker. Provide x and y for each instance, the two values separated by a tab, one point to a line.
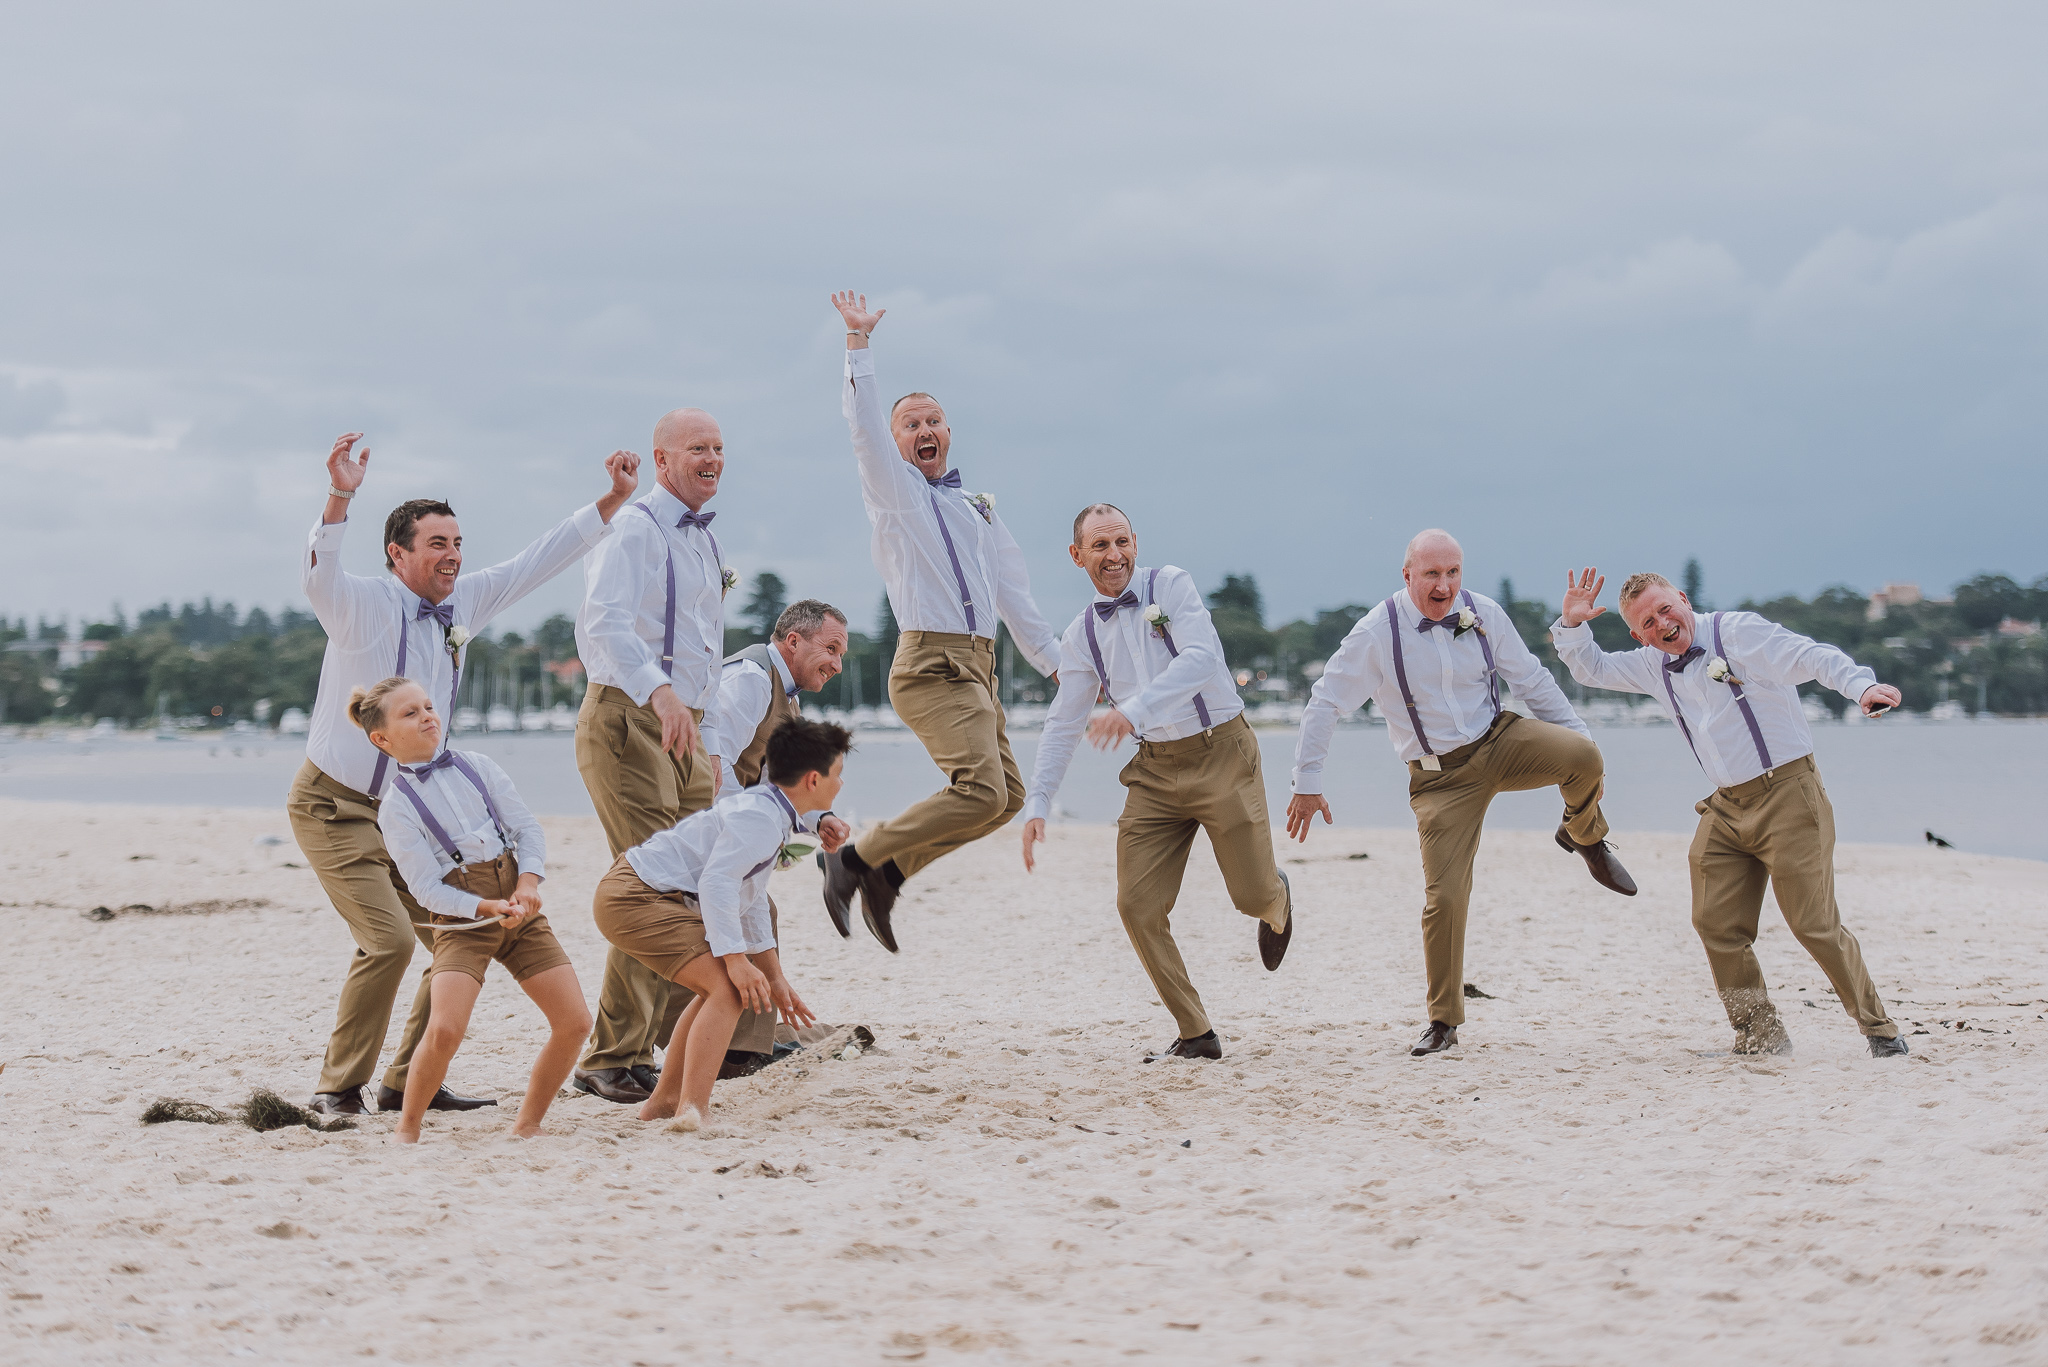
788	810
404	633
668	611
1408	696
1095	648
952	554
1756	732
433	824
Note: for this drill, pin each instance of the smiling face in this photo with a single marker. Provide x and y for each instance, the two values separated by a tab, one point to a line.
689	456
1434	573
1107	549
428	567
919	425
1660	616
411	730
814	659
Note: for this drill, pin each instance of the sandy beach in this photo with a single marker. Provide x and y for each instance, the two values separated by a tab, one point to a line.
1002	1180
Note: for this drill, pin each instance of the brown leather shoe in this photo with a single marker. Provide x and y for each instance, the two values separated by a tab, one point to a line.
1273	943
742	1063
648	1075
1600	862
877	902
612	1084
347	1102
1435	1040
841	883
1201	1046
391	1099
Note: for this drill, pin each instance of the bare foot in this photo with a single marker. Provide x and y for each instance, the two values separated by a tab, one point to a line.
689	1122
655	1109
405	1136
526	1132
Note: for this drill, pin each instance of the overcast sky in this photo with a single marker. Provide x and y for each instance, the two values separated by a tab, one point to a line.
1620	284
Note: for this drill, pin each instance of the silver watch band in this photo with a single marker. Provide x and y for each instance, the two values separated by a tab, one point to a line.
333	492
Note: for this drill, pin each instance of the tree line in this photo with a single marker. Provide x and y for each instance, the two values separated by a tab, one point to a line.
217	664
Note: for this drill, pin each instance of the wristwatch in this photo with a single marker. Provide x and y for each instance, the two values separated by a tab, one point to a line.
333	492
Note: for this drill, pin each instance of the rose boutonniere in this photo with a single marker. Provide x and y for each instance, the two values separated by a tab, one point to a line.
800	846
728	580
985	504
1156	617
458	637
1468	620
1719	672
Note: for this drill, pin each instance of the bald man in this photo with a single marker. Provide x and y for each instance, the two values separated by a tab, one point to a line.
1434	657
651	634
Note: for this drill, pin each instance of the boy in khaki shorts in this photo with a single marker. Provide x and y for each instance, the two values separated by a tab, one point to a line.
691	904
473	857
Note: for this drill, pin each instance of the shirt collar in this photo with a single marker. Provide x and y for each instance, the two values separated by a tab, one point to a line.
782	668
1137	577
666	507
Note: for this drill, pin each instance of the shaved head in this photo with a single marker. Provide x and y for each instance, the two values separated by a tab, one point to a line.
1431	542
689	455
673	431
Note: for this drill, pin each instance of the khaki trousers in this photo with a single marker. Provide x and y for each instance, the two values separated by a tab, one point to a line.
638	789
1516	753
336	828
1779	828
1210	782
943	687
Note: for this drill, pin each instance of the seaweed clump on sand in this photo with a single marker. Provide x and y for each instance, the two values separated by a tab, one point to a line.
264	1111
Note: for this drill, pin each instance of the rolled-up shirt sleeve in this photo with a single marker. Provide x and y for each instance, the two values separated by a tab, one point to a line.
421	862
1064	722
1352	675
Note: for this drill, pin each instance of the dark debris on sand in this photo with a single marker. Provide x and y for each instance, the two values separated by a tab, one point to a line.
204	908
264	1111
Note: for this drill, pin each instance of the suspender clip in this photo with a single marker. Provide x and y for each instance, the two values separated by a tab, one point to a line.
1431	763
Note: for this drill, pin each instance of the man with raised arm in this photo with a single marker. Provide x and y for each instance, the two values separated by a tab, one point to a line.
1729	680
951	569
651	634
414	622
1146	643
1434	657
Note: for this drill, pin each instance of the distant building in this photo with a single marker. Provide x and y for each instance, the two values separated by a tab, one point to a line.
2012	626
70	654
1891	595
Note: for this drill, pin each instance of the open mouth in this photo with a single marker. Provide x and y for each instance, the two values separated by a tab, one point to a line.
1672	634
927	450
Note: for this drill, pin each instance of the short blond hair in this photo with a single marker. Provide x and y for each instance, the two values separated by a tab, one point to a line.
1639	583
366	705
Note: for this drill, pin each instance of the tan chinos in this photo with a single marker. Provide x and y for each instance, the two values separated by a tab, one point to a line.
639	789
336	828
1515	754
943	687
1778	828
1210	782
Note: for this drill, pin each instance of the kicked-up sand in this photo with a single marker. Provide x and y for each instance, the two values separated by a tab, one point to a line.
1002	1180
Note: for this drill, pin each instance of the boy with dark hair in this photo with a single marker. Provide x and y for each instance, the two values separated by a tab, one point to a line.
691	904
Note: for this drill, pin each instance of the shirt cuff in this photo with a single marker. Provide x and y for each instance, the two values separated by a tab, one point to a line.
1558	627
1037	807
326	535
641	684
590	524
466	905
860	364
1309	783
721	947
539	870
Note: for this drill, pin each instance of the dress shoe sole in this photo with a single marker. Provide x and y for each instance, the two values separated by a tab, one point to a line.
880	931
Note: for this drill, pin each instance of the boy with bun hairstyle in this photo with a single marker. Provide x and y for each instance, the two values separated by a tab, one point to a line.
691	903
473	857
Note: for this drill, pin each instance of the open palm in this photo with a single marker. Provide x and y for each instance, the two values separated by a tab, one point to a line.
1581	592
854	309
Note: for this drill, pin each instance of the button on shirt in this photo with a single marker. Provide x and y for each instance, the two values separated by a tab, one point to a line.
625	594
744	693
1154	690
1770	662
910	549
1446	675
723	855
363	618
421	858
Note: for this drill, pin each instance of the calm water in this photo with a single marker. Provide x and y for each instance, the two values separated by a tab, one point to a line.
1983	786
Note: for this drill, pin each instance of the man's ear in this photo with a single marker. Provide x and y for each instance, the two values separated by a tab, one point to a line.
1075	552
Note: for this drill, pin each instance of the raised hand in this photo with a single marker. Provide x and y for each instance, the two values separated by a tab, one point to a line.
345	474
1580	591
854	309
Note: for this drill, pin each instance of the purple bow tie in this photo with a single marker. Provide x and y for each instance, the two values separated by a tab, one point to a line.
1677	663
1450	622
951	480
690	519
442	612
1105	611
440	761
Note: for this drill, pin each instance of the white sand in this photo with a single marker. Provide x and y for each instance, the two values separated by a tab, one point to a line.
1004	1181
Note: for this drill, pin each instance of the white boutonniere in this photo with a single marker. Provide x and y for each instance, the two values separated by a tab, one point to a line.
800	846
985	504
458	637
1468	620
728	580
1719	672
1157	618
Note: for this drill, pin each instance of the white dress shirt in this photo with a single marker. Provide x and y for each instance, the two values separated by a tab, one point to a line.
364	618
625	594
723	856
1447	677
1769	661
744	693
422	859
1154	689
910	548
